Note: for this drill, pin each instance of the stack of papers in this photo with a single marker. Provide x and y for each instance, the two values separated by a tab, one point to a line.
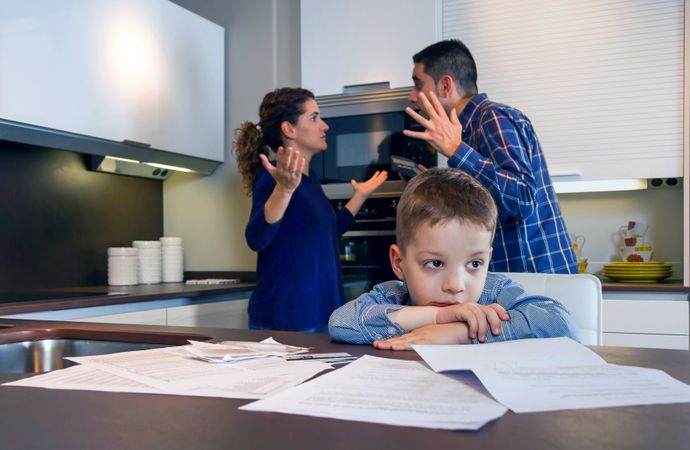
229	351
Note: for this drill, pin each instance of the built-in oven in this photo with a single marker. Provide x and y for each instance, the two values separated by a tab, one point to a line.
365	130
365	247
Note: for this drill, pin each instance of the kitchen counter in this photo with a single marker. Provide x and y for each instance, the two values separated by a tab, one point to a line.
45	418
114	295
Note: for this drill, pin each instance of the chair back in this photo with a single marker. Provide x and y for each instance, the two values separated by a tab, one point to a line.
579	293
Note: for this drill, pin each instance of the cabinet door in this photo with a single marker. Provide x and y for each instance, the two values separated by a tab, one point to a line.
227	314
362	41
574	68
141	70
148	317
646	323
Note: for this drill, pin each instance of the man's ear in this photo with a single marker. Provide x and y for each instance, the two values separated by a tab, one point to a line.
395	255
288	130
446	86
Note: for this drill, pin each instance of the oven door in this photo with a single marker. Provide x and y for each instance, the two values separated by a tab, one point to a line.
364	254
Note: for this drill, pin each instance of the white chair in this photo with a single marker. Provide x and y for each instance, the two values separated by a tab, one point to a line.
579	293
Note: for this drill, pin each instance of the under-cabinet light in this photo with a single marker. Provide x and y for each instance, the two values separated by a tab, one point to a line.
117	158
165	166
565	187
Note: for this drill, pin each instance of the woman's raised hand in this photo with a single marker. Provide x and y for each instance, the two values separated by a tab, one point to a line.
288	169
367	187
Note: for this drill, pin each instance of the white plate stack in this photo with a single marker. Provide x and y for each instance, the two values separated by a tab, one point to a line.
122	266
173	266
149	261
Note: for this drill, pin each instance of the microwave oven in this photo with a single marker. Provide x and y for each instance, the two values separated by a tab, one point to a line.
365	130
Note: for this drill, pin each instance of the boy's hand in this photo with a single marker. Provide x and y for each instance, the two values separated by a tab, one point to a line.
447	333
476	316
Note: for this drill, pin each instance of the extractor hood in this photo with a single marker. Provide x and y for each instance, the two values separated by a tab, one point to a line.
123	158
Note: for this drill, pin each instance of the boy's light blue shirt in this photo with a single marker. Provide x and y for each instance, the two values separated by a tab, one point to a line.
365	319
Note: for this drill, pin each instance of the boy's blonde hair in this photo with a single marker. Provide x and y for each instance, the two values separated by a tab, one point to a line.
443	194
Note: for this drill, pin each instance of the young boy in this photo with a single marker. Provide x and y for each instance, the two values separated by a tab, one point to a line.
445	226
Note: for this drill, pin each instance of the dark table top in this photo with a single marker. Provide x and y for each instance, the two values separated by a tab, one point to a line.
42	418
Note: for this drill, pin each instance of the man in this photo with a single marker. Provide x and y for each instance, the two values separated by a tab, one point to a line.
497	145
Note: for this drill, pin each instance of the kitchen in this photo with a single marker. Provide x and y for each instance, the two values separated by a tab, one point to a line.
262	40
210	212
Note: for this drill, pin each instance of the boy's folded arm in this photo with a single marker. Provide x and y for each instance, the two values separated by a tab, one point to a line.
413	317
536	317
363	323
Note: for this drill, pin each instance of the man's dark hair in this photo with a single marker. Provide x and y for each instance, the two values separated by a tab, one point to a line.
450	57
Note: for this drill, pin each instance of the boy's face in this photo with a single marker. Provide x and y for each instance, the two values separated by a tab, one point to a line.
444	264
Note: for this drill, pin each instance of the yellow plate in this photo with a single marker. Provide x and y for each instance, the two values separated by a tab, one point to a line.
637	278
629	264
638	269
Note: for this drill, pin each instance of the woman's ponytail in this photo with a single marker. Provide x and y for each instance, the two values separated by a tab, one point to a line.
247	147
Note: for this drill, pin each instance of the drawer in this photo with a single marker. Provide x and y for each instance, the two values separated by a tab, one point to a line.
647	340
646	316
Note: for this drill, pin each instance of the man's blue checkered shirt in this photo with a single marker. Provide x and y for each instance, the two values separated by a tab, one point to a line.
501	150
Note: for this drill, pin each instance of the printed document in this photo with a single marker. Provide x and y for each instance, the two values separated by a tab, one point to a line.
387	391
173	371
531	375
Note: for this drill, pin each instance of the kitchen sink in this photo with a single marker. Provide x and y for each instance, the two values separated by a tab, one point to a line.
47	352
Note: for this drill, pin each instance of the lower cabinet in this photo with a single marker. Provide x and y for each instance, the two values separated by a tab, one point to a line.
147	317
219	314
231	314
646	320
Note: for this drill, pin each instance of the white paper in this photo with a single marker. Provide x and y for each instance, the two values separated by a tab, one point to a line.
172	371
533	375
551	352
84	378
387	391
550	389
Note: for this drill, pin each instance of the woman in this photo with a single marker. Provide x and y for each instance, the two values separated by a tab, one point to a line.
292	225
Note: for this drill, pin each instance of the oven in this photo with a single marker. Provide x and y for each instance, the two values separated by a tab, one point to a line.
364	248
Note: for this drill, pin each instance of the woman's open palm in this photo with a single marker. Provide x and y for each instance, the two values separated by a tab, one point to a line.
367	187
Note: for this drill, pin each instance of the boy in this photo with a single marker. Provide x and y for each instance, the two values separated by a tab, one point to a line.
445	226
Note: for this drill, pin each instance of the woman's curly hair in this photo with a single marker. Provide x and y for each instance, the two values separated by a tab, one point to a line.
278	106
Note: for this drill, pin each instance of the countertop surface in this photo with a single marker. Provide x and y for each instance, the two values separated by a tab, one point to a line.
89	296
111	295
45	418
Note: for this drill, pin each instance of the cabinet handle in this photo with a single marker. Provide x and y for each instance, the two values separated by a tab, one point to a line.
136	143
366	87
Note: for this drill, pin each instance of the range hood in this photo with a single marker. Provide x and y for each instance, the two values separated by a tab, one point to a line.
124	158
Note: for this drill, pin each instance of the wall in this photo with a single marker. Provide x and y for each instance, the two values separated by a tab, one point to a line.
57	218
262	52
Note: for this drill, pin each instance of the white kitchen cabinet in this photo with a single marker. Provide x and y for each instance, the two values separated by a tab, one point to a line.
223	314
146	71
361	41
147	317
650	320
229	314
574	68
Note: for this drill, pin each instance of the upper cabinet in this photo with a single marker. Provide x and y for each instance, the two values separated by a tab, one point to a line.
357	42
144	72
601	80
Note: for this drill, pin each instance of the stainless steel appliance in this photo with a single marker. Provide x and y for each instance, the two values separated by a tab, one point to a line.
364	248
365	131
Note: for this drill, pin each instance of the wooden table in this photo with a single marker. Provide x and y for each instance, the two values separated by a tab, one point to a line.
42	419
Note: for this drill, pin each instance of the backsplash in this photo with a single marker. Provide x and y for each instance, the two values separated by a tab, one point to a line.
57	218
598	216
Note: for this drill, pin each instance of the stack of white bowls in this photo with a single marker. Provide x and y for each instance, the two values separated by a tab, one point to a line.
122	266
171	252
149	261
